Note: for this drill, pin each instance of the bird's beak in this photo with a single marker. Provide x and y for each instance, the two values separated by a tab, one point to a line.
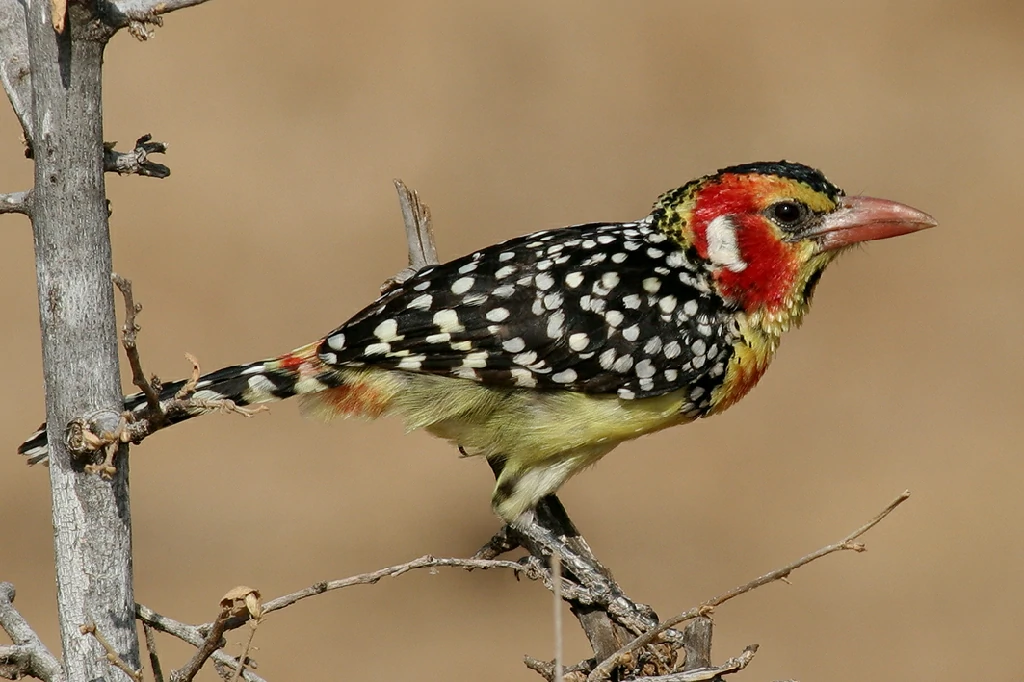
862	219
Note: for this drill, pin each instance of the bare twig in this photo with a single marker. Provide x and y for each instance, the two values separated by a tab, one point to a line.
154	657
17	202
556	580
244	657
419	235
605	668
28	656
190	634
425	561
194	634
733	665
112	656
214	640
128	340
135	162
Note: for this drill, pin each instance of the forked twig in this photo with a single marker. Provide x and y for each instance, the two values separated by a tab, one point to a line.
605	668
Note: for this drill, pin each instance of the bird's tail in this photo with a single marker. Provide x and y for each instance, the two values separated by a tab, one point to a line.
294	373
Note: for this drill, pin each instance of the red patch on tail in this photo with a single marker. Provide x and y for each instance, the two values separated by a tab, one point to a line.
353	400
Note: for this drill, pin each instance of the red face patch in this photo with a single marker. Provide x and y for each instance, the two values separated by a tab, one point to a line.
771	264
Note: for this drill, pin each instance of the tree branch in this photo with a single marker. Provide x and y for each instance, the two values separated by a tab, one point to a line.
17	202
190	634
733	665
28	656
154	657
211	643
135	162
422	562
605	668
138	15
14	63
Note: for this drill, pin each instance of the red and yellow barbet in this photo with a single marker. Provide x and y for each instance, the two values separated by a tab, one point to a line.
544	352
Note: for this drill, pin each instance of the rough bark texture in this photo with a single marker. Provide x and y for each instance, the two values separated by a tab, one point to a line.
91	520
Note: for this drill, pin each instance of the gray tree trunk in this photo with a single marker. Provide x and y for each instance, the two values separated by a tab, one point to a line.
91	519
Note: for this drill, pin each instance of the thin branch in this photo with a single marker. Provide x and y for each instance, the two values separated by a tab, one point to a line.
244	657
29	654
733	665
135	162
419	235
17	202
112	656
556	580
605	668
189	634
129	333
425	561
154	657
214	640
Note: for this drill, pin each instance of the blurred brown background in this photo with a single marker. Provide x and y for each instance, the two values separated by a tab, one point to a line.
287	124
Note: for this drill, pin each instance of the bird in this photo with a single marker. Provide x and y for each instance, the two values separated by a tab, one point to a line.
544	352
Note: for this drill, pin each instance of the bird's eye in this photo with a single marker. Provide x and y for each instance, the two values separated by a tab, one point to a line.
788	213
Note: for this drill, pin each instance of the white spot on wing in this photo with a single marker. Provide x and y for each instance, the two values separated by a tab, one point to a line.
447	320
462	285
578	341
387	330
564	377
421	302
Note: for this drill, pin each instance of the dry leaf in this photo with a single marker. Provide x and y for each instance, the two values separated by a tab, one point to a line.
242	601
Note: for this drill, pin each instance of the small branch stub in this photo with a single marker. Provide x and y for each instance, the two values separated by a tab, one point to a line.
17	202
135	162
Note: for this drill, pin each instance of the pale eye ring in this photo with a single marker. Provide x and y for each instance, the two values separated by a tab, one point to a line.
788	213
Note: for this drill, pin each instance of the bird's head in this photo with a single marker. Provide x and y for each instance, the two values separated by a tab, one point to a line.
766	231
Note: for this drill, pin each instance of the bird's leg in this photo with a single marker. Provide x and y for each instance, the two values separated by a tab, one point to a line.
550	529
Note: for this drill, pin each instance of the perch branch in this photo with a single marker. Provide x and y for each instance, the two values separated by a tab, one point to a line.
135	162
17	202
28	656
605	668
